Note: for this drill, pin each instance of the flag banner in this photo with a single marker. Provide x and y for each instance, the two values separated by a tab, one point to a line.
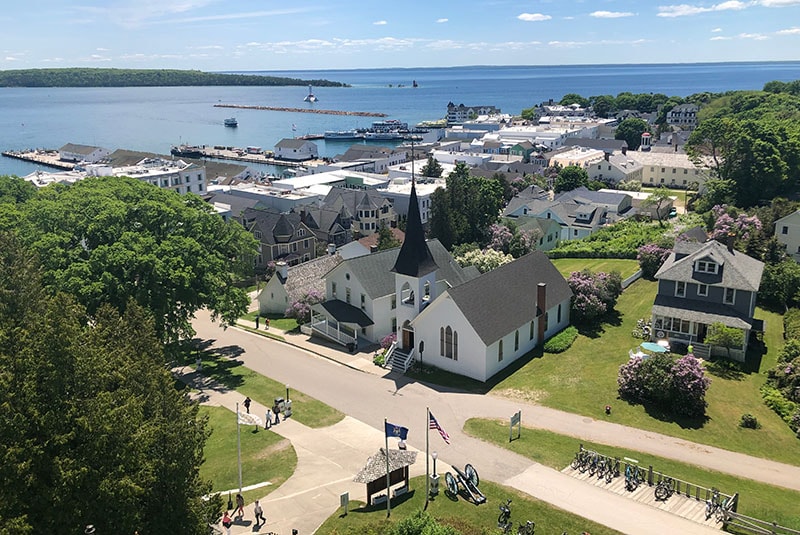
249	419
433	424
396	431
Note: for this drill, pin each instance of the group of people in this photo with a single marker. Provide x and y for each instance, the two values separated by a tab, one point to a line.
258	512
266	322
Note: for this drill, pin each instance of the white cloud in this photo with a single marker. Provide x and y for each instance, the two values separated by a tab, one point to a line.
440	21
789	31
779	3
533	17
716	30
754	36
101	49
720	38
683	10
380	23
11	58
610	14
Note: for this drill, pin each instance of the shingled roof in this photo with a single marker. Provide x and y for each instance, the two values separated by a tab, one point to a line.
415	259
376	465
499	299
739	271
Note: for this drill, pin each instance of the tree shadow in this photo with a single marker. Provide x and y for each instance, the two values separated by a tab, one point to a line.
597	328
685	422
725	369
397	500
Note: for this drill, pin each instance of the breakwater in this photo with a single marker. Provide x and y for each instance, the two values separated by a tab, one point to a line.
302	110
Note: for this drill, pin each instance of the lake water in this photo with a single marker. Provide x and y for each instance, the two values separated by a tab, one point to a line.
154	119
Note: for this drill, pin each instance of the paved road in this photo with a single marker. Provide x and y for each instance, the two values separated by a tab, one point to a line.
368	398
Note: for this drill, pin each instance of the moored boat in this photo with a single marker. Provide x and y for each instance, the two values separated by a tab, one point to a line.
343	134
310	97
231	122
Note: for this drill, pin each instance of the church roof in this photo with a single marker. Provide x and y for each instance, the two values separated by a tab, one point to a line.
415	259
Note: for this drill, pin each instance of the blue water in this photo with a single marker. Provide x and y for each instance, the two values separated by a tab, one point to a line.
153	119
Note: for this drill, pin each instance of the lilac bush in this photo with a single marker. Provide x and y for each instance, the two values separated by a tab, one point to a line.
301	309
594	293
629	380
651	257
388	340
689	387
501	237
743	227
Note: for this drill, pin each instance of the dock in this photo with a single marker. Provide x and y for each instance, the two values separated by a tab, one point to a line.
239	155
303	110
46	157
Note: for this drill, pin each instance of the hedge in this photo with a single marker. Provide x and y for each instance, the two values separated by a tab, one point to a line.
562	341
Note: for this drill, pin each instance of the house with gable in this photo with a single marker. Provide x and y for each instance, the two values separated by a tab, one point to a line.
290	283
361	211
787	232
294	149
444	315
705	283
280	237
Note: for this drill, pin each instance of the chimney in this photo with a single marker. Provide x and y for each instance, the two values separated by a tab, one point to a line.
731	237
541	304
624	149
606	155
331	248
282	269
373	249
303	216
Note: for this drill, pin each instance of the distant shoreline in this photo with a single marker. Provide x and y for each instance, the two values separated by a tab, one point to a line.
99	77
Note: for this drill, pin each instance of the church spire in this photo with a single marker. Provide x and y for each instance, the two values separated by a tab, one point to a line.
415	258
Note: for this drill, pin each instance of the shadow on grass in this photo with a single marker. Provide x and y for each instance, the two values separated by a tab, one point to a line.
219	368
398	500
659	413
596	328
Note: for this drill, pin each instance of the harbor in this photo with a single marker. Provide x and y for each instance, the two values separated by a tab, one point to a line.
48	157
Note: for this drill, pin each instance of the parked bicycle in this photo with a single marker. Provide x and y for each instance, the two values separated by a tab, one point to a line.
612	470
581	460
528	528
665	488
716	506
633	477
504	519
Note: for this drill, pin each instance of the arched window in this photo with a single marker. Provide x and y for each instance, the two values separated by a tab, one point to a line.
455	345
516	341
500	351
530	335
441	341
448	342
559	313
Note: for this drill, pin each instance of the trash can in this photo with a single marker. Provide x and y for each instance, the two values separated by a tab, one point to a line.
287	408
279	403
434	484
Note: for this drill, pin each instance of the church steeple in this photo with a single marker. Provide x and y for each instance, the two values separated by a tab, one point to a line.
415	258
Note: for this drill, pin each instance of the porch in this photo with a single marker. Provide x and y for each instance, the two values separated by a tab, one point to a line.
339	322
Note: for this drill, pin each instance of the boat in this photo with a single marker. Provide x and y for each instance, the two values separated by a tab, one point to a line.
231	122
310	97
343	134
389	125
187	151
383	136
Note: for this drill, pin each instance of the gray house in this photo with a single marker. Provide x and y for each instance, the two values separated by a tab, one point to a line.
705	283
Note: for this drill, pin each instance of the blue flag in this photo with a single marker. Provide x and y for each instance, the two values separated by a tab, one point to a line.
396	431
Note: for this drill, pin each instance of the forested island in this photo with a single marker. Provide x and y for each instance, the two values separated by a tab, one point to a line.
93	77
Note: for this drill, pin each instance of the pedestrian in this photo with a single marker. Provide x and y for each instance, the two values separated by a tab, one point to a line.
276	409
247	402
259	514
266	323
240	505
227	522
256	322
268	419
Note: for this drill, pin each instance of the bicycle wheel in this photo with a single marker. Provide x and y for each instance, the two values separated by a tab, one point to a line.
451	483
576	462
472	474
609	475
661	492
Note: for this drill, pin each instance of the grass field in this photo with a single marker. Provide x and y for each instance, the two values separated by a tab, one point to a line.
583	380
276	321
465	517
266	456
758	500
230	372
626	268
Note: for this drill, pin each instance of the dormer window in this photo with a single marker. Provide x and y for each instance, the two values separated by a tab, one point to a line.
704	266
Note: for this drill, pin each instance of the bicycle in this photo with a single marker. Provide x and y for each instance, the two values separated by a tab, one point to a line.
664	489
612	470
633	478
504	519
529	528
716	507
580	459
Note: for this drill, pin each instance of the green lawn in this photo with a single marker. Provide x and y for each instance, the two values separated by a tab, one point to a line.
266	456
276	321
758	500
625	267
583	380
464	516
233	374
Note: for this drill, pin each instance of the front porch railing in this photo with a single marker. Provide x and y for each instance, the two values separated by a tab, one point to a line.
332	330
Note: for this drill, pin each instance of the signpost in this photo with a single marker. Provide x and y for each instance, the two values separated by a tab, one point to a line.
344	500
516	419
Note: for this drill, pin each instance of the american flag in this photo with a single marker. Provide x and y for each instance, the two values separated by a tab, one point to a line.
433	424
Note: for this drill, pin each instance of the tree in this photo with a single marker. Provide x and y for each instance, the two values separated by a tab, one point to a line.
432	169
93	429
113	240
595	294
651	257
780	284
301	308
675	386
486	260
721	335
574	98
570	178
630	130
386	239
658	198
441	222
602	104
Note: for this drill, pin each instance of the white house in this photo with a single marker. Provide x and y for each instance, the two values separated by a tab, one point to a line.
470	324
787	232
295	149
72	152
290	283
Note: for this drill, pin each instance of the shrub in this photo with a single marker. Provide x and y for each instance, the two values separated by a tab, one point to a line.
651	256
785	377
749	421
794	423
301	309
379	359
562	341
775	401
594	293
791	324
388	340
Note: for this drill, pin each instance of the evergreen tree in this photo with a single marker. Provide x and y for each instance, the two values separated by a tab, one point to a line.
432	169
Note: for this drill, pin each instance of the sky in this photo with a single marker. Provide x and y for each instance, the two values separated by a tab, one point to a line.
252	35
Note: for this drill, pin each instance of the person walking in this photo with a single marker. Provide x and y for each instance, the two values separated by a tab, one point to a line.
256	322
247	402
268	419
240	505
227	522
259	512
277	410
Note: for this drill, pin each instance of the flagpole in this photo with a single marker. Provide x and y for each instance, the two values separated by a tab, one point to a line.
427	456
388	495
239	447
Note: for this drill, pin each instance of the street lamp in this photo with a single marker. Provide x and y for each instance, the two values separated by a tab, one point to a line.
434	455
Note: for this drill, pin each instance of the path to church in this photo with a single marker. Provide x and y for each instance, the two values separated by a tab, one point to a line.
328	459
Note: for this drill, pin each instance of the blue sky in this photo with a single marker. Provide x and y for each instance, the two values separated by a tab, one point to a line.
216	35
